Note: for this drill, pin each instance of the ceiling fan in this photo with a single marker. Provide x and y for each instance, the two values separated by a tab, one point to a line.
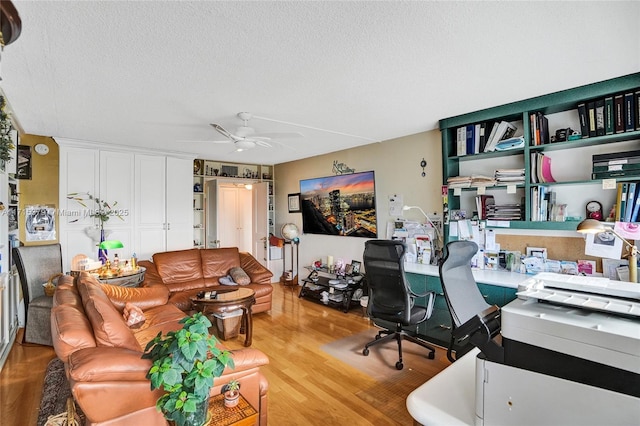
245	137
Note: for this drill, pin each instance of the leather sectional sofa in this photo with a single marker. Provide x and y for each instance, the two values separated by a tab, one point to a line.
187	272
102	355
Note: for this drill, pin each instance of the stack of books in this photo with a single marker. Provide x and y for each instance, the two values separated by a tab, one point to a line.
615	164
504	212
539	125
482	204
481	180
509	176
484	137
543	201
459	181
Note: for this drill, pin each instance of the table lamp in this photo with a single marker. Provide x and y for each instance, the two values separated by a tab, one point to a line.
110	244
405	208
592	226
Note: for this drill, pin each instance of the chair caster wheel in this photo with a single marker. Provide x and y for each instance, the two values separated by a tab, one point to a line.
431	355
399	365
365	351
378	336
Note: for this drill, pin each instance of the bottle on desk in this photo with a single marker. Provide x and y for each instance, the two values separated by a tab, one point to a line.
116	261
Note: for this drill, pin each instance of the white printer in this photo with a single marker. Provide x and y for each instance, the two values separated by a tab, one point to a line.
571	347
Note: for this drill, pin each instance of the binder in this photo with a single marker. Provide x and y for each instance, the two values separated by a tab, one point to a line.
591	112
584	122
629	113
618	113
609	122
630	201
600	126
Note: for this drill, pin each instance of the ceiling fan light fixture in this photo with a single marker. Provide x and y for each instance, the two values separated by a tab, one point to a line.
244	145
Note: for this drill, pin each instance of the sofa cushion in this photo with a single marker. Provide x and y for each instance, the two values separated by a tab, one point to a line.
180	266
218	262
109	328
72	328
239	276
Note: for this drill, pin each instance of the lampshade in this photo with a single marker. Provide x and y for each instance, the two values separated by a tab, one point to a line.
591	226
110	244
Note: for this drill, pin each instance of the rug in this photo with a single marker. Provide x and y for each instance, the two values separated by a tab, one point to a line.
55	392
380	364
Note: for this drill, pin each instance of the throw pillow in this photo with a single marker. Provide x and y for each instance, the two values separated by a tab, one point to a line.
239	276
226	280
133	315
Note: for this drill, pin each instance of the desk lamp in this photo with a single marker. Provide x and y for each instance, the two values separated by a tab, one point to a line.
110	244
405	208
592	226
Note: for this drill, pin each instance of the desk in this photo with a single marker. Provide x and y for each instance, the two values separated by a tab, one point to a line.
227	301
242	414
448	399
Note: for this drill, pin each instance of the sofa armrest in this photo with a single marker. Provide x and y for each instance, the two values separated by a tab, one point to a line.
151	275
101	364
142	297
246	359
258	273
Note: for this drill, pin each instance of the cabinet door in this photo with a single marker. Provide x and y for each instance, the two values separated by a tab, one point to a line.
179	203
79	173
227	216
150	202
261	222
116	185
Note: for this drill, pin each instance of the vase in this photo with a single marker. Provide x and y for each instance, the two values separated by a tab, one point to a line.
198	417
102	253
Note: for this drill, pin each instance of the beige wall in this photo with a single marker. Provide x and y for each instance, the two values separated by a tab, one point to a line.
42	188
396	164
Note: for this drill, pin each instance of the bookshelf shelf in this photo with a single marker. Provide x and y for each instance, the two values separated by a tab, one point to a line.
572	160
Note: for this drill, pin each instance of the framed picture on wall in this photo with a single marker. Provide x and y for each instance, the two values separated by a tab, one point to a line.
294	203
23	169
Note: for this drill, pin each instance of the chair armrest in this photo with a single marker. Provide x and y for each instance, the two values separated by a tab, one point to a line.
100	364
142	297
414	294
258	273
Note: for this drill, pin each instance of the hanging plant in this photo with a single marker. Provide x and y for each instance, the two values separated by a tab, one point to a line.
6	143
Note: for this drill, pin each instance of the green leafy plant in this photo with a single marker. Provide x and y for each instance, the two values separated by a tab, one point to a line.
103	210
232	386
6	143
185	363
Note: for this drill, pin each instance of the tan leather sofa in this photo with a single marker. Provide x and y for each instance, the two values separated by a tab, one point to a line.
102	355
187	272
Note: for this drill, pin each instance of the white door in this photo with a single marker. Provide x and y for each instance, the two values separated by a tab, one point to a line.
179	203
211	202
261	222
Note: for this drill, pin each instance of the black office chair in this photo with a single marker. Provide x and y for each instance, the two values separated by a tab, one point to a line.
475	322
390	297
36	265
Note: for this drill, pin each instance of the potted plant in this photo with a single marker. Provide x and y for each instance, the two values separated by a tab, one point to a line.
231	393
184	365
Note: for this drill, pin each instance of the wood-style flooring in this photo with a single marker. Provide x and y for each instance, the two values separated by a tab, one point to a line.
306	385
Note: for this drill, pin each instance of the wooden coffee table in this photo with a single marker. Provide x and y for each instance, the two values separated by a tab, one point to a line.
228	300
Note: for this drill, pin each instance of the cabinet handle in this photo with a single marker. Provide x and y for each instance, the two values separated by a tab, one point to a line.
445	327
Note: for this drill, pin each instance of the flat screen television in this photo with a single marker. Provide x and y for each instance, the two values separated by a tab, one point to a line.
343	205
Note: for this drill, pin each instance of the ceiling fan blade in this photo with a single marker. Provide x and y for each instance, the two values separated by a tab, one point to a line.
222	130
262	143
203	141
289	135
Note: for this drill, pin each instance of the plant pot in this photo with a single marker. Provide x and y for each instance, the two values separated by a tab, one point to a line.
198	417
231	399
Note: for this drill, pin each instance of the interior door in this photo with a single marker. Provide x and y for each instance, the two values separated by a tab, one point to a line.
260	240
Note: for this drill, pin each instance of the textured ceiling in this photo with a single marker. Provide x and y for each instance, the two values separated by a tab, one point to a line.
155	74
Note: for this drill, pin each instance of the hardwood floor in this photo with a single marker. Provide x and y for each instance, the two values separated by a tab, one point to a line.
306	385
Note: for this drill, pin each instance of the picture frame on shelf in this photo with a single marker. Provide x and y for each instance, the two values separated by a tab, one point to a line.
294	203
355	267
23	168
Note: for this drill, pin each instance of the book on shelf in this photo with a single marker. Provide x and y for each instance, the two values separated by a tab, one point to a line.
636	206
591	114
597	158
584	121
470	138
615	174
482	202
618	111
609	122
629	112
623	202
542	168
504	130
637	108
631	198
461	141
599	114
539	129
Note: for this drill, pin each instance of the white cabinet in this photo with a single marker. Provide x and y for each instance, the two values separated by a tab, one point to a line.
163	206
153	195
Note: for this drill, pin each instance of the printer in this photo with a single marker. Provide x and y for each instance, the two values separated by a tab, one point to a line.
570	354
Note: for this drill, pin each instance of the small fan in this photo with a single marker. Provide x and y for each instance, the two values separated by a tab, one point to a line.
245	137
